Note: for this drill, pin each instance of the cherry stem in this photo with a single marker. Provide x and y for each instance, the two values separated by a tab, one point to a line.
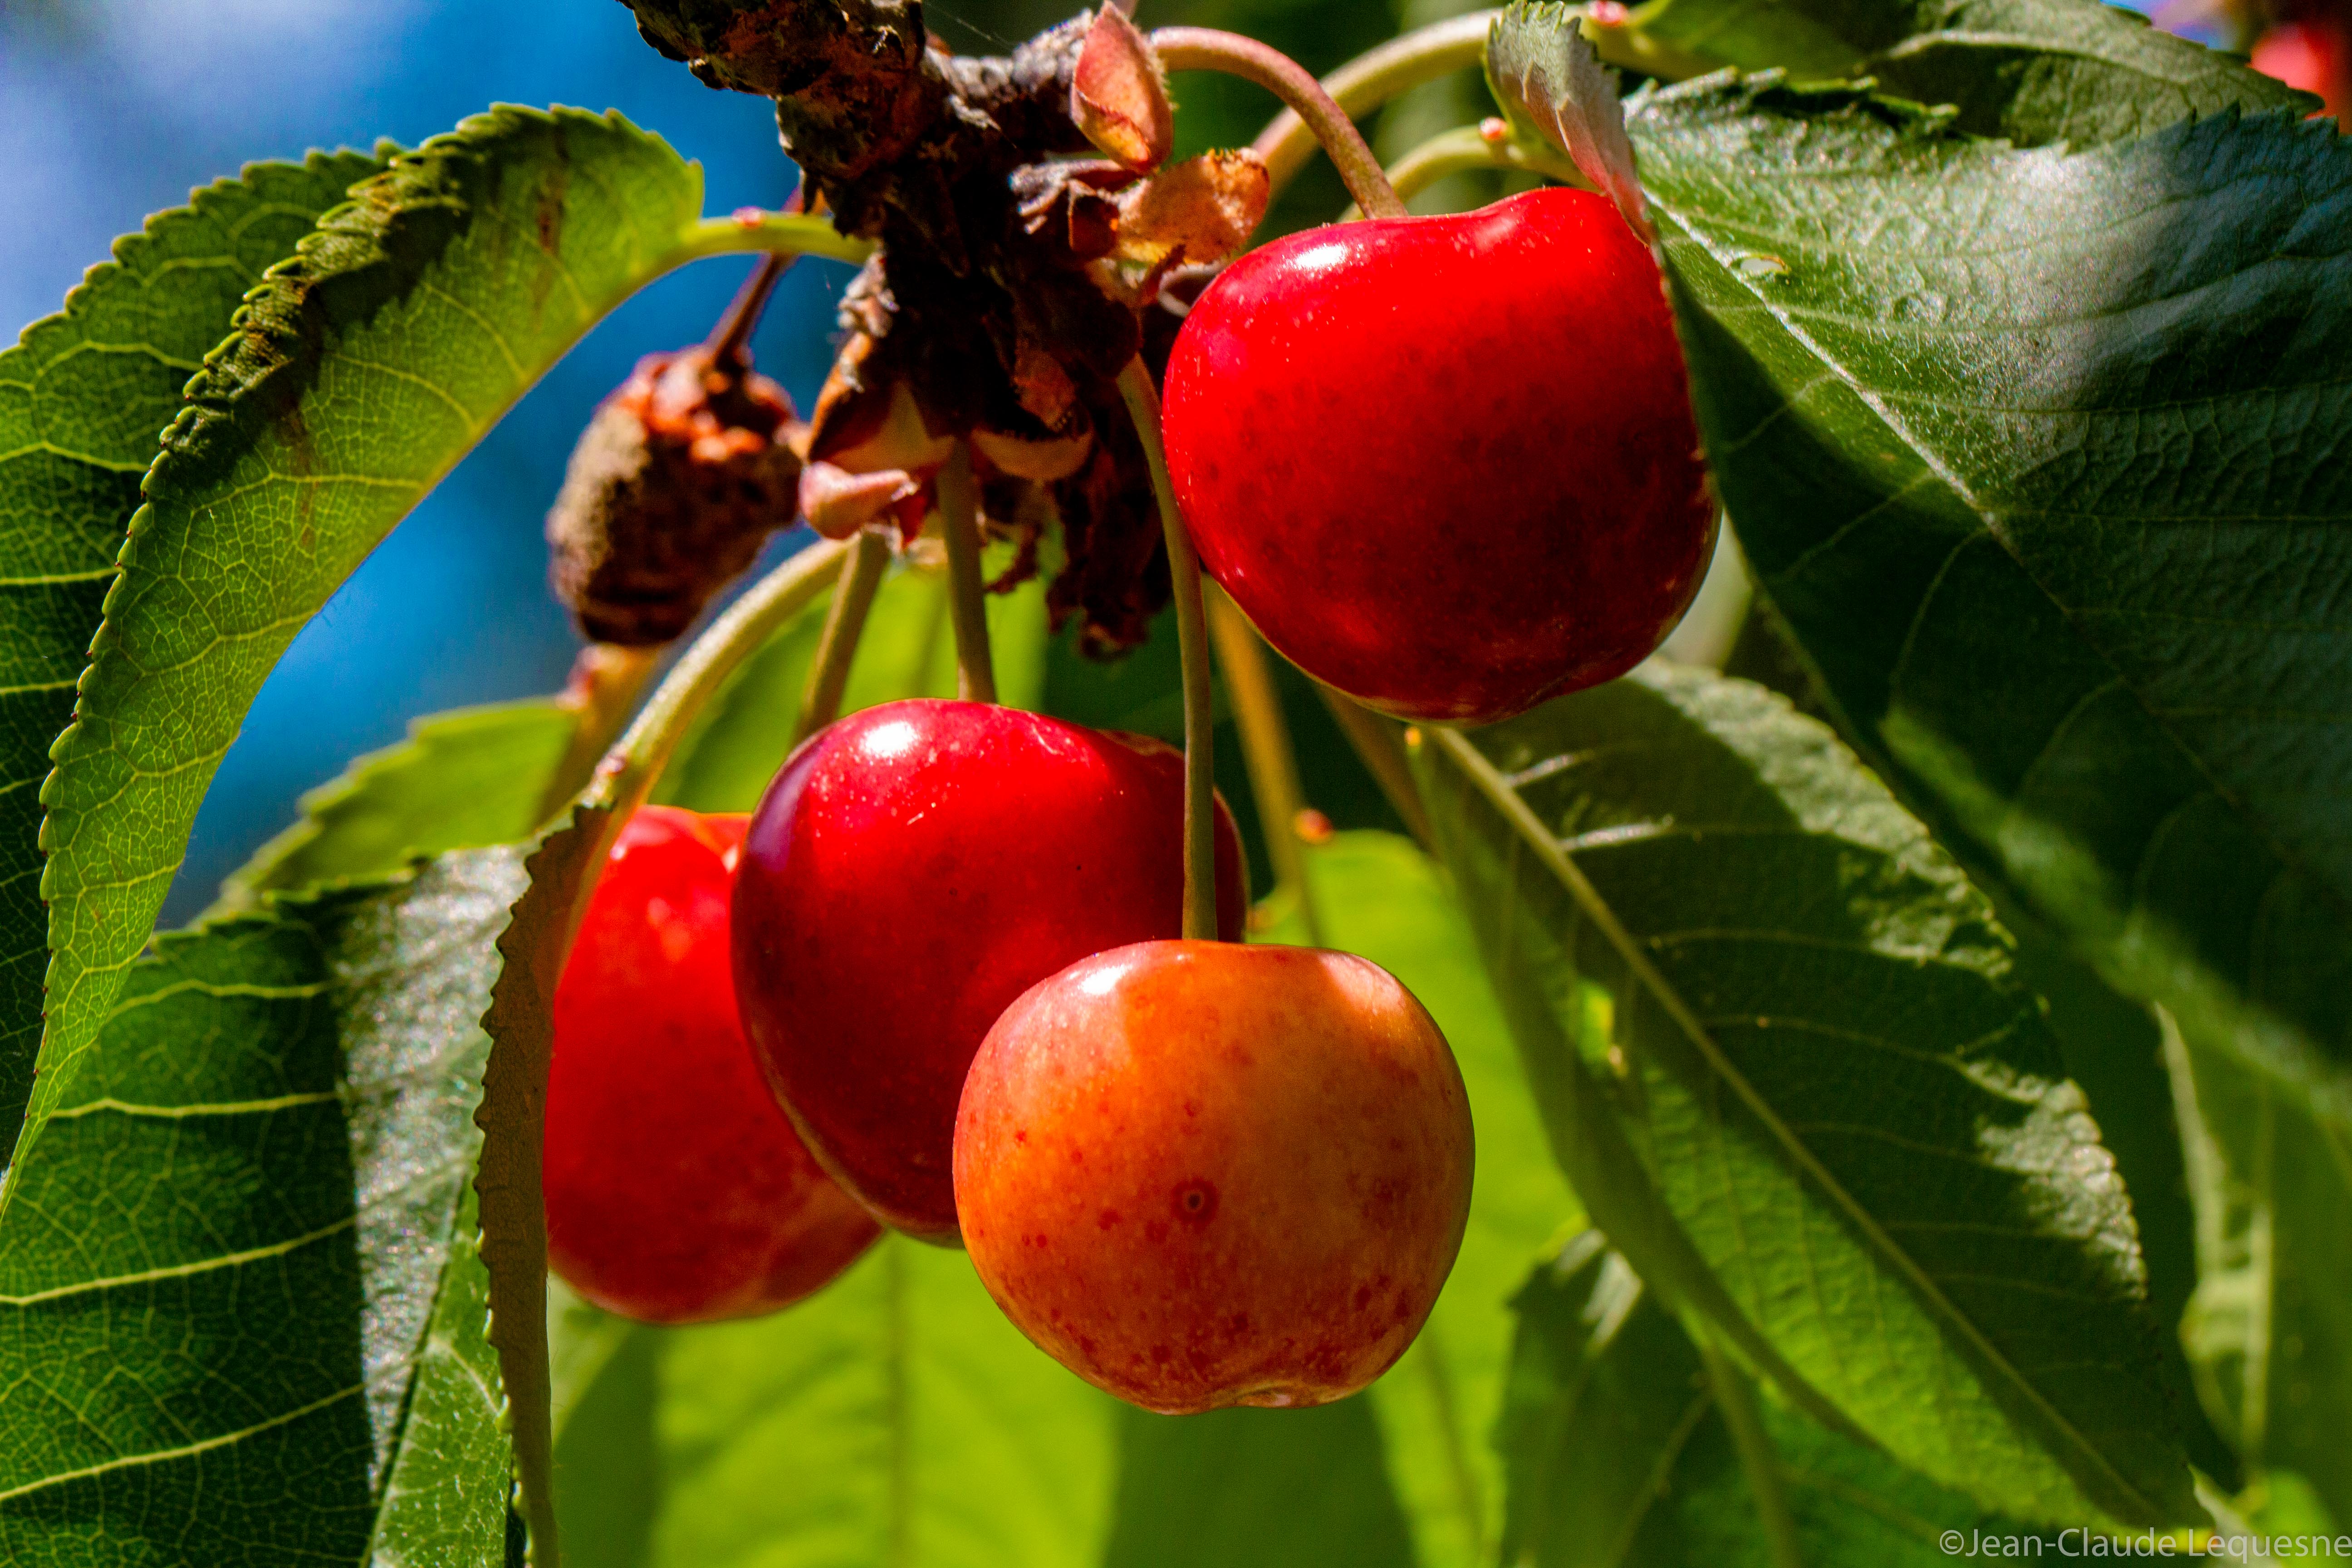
845	623
730	340
1192	643
1463	149
1381	748
1372	78
967	595
1266	751
1207	48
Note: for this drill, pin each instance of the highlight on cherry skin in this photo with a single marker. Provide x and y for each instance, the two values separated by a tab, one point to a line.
1199	1173
1522	510
676	1192
913	869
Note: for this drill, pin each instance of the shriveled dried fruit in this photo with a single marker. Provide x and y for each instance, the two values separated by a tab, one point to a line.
677	480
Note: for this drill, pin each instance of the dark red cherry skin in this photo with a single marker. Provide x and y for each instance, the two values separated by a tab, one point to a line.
676	1192
911	870
1446	464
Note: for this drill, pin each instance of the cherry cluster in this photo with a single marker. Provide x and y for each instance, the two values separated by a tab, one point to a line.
942	980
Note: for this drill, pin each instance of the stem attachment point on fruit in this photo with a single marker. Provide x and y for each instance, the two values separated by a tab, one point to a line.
845	623
967	595
1193	641
1207	48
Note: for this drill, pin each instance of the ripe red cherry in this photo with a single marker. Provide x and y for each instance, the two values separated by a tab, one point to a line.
1446	464
676	1192
913	869
1198	1174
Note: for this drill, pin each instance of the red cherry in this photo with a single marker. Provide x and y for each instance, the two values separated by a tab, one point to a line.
913	869
1198	1174
676	1192
1446	464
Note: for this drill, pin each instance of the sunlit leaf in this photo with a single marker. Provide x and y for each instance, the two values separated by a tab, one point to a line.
358	373
2033	71
1619	1453
82	400
1785	1057
2040	456
240	1314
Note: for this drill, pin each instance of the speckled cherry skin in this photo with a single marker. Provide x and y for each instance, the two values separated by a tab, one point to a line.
1198	1174
1446	464
911	870
676	1192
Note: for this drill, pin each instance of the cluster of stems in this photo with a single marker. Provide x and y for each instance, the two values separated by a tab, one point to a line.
605	688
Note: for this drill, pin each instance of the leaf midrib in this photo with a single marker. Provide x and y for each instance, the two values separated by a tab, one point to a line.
1487	780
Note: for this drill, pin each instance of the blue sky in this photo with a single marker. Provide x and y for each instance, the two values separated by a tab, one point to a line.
123	108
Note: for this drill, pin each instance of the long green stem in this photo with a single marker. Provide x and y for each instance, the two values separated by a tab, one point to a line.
1757	1458
836	647
794	234
1370	80
1266	751
1462	149
1206	49
1381	751
1193	641
1440	49
967	595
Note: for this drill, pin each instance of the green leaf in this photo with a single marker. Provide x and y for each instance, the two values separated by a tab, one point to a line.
1783	1054
2040	456
2033	71
2270	1330
1619	1451
82	398
358	373
1380	896
1548	81
1256	1488
741	739
462	780
894	1417
239	1309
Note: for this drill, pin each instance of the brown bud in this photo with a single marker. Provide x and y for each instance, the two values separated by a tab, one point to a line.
678	478
1119	94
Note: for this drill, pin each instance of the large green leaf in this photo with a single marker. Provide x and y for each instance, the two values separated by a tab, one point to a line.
1620	1452
2029	70
1380	896
83	399
2271	1329
462	780
2040	454
1786	1060
358	373
895	1417
240	1316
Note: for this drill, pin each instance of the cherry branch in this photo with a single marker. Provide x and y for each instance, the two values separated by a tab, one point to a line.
1192	640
